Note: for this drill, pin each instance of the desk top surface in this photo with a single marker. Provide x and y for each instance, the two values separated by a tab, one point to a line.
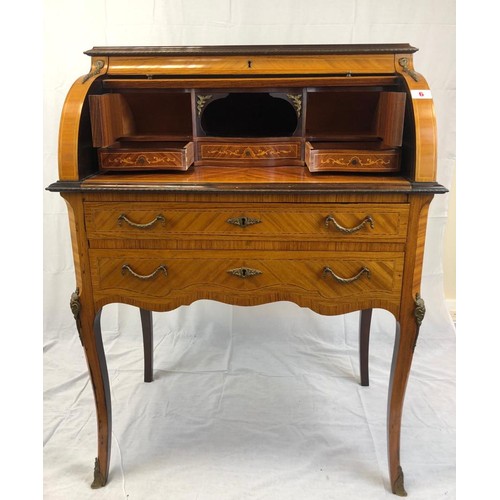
243	179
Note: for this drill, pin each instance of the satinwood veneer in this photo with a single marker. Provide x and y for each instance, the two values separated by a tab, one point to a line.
249	175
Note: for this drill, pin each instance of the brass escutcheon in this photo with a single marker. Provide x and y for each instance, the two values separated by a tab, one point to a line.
244	272
243	221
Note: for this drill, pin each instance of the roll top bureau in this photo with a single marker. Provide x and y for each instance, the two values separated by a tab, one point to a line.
249	175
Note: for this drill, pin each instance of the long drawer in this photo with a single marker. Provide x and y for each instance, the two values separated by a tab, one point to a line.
166	275
149	220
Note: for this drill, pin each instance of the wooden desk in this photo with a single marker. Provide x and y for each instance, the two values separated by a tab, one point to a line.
178	190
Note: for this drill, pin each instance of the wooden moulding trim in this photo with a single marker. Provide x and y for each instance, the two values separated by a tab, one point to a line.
255	82
265	50
428	188
416	188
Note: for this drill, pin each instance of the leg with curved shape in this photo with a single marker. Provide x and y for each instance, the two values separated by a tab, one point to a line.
100	383
407	330
89	328
408	321
364	345
147	336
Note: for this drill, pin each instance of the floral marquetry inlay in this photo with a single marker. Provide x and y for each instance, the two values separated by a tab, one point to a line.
249	152
354	160
330	160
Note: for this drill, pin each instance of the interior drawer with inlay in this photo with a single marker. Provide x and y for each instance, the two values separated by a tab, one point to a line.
344	157
146	155
250	152
159	274
149	220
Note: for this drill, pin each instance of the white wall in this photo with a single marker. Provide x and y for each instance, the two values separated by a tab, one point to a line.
449	256
72	27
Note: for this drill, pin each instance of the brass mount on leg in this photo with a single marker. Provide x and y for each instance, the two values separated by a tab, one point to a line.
419	315
76	306
419	309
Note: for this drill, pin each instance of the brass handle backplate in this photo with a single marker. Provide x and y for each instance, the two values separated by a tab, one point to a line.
244	272
127	268
367	220
345	281
158	218
243	221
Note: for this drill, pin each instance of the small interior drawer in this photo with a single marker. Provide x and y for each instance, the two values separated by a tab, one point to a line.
250	152
129	154
350	157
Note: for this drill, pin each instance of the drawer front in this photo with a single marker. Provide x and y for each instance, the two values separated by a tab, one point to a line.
147	159
246	277
345	222
256	153
352	161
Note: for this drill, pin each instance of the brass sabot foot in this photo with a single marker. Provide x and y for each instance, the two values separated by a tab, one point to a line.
398	488
99	479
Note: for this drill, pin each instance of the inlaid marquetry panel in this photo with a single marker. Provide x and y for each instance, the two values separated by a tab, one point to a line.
163	159
252	153
330	160
162	220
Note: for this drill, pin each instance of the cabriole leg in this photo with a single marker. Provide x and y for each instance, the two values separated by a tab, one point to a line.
147	336
89	328
407	329
364	344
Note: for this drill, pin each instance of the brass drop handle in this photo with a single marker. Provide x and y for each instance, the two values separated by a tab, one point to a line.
147	225
345	281
243	221
367	220
244	272
127	268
